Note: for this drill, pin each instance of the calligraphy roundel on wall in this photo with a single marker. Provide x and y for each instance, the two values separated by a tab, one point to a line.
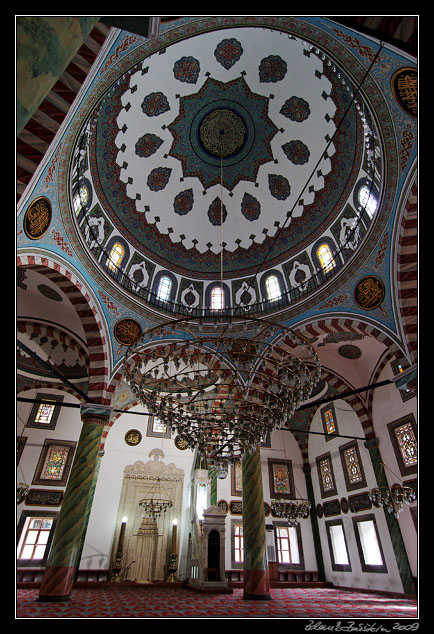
369	292
37	218
404	88
127	331
133	437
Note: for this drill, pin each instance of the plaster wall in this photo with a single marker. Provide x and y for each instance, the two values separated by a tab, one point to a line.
283	446
388	407
348	424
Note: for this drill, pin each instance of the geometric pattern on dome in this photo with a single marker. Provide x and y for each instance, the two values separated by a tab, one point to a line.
160	135
222	119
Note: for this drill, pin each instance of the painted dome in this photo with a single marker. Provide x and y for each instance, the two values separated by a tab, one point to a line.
247	137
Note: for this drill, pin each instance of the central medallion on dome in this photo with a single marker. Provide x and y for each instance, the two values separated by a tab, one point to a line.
222	133
223	120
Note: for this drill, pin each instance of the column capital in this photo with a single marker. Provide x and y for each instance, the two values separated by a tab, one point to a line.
371	443
95	413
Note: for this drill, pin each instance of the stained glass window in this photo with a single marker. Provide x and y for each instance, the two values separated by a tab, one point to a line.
158	427
44	413
164	288
326	474
54	463
239	544
217	298
325	256
329	421
81	199
272	288
367	200
281	482
352	465
116	255
407	444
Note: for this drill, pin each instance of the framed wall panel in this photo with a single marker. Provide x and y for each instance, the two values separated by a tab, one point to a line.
55	462
403	435
326	476
281	479
45	415
352	466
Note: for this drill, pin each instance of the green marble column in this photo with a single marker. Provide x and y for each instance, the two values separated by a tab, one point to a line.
213	480
314	522
68	538
256	575
88	510
392	522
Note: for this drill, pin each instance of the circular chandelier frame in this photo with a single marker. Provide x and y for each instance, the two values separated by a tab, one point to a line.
221	384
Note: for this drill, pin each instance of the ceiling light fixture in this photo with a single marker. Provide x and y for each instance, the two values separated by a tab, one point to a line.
222	383
156	501
394	497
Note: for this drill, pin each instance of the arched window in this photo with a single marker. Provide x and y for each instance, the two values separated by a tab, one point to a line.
217	298
272	288
367	200
116	256
80	199
164	288
325	256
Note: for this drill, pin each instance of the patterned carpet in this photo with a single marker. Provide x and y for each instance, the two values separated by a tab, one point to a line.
179	603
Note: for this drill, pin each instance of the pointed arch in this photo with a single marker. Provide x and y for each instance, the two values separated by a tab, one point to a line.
407	273
88	314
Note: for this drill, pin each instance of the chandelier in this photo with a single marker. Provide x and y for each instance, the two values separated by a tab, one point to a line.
293	511
220	382
156	501
392	498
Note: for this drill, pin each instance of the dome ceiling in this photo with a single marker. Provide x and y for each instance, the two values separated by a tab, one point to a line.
242	136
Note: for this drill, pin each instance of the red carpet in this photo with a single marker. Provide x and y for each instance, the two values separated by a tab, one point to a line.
171	603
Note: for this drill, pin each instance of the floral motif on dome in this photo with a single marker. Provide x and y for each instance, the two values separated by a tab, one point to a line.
158	178
297	152
155	104
183	202
279	186
272	69
147	145
250	207
243	117
228	52
187	70
215	212
296	109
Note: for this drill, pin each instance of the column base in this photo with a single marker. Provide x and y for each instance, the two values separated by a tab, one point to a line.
42	599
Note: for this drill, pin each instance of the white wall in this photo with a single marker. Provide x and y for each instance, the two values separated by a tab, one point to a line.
283	446
388	407
349	424
102	521
68	427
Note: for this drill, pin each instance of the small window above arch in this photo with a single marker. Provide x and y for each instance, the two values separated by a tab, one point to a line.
116	256
164	288
325	257
272	288
80	199
367	200
217	298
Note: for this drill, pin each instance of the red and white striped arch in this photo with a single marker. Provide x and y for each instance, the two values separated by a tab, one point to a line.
88	314
406	267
